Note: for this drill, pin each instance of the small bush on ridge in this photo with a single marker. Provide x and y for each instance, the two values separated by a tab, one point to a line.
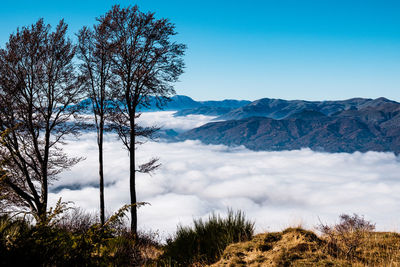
346	236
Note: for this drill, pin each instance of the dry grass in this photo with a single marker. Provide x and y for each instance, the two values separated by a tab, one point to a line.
298	247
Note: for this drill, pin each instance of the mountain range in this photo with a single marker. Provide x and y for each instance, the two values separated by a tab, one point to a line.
357	124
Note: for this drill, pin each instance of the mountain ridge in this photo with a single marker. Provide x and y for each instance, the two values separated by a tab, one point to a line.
331	126
280	108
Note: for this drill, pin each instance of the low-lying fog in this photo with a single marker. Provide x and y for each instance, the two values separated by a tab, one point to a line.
276	189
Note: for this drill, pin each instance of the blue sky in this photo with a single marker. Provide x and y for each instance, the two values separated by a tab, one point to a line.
316	50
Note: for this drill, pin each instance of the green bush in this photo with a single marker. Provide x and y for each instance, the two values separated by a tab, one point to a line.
42	245
206	241
72	243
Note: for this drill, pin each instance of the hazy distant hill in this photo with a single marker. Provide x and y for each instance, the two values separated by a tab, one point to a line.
213	108
177	102
332	126
204	110
182	103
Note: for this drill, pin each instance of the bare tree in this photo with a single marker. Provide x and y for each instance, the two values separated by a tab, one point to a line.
38	87
146	63
95	51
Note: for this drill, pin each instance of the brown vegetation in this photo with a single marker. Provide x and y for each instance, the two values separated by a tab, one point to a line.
299	247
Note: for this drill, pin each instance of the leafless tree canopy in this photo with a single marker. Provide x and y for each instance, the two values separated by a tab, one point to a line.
38	85
146	63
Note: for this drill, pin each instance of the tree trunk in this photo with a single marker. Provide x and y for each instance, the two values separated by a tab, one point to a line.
44	182
101	174
132	179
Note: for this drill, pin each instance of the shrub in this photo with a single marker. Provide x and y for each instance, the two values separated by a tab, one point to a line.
345	237
74	240
128	250
206	241
77	221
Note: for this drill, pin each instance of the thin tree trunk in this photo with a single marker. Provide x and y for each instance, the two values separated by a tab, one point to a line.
101	174
45	186
132	180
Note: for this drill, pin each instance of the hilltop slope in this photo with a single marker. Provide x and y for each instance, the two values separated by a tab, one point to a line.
298	247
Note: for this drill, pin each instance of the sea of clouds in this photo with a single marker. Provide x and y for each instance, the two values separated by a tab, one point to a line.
275	189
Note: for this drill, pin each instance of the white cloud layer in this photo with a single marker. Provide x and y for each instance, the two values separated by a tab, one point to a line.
166	120
276	189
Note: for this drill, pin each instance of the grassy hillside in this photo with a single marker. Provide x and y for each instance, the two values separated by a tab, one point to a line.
298	247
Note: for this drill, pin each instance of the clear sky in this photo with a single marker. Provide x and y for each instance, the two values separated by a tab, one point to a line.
298	49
